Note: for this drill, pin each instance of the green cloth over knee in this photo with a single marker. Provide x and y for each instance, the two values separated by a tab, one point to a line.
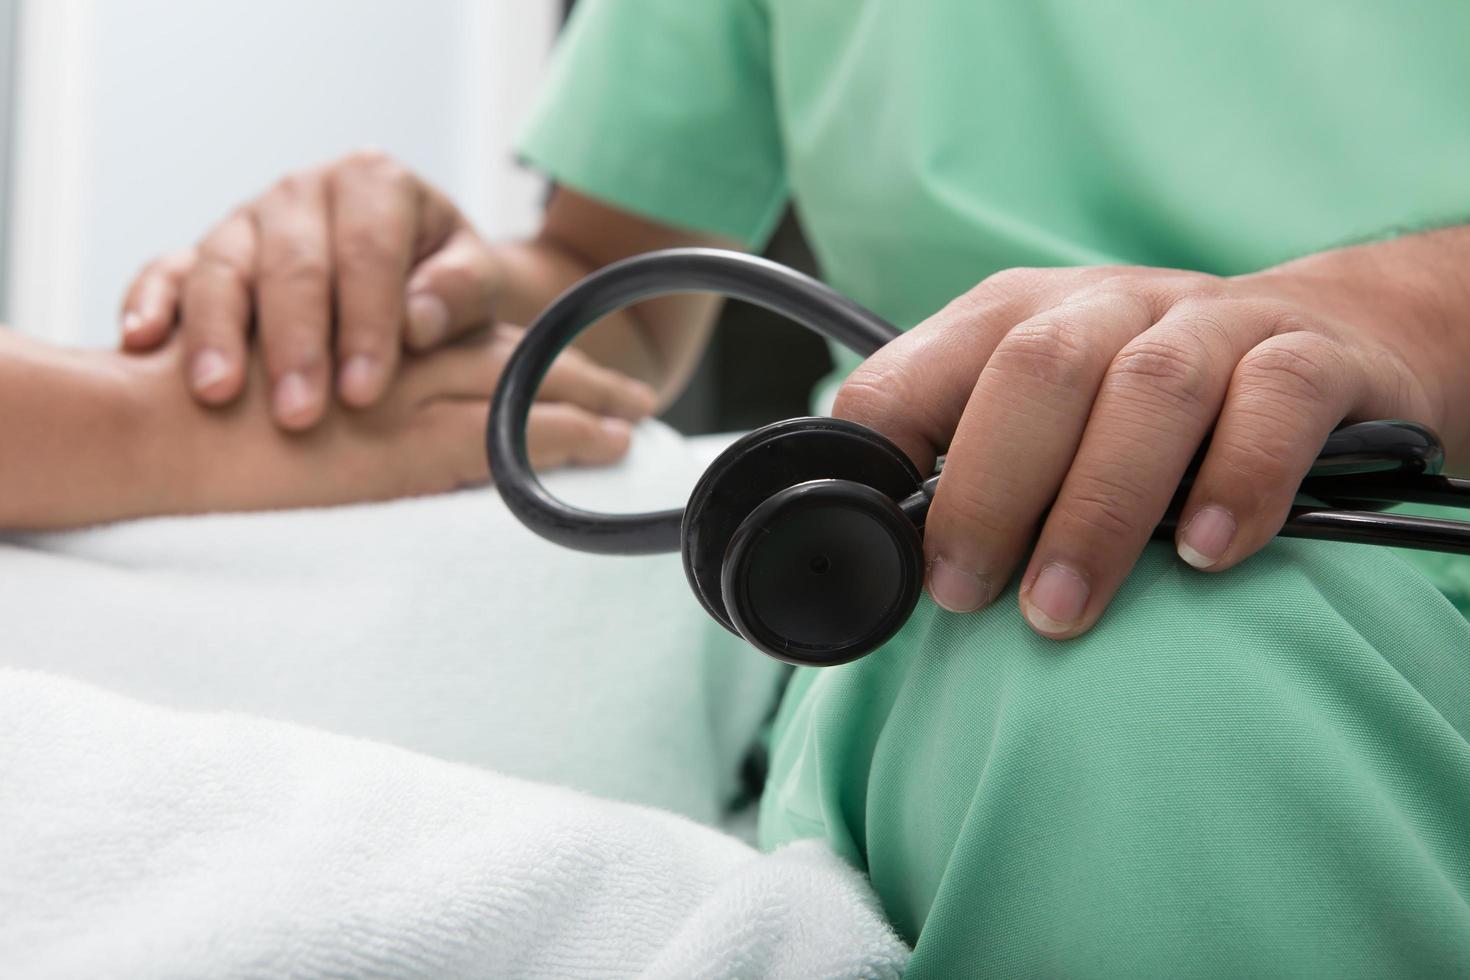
1262	772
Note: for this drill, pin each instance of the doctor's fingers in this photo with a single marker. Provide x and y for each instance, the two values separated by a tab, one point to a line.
293	296
452	289
471	368
150	306
384	219
1287	395
1154	406
1016	440
916	387
215	309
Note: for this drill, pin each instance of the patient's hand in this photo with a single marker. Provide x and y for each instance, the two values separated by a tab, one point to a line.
426	435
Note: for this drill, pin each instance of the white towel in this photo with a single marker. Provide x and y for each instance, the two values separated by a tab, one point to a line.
440	625
145	842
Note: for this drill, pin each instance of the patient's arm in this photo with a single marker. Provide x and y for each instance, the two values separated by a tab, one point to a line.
68	436
94	436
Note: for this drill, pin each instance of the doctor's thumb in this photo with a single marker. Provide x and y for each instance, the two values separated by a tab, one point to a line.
452	290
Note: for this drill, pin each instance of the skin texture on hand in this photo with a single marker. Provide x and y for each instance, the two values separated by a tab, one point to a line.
1071	401
105	436
338	270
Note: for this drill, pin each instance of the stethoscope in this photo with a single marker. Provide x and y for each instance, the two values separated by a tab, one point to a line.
804	537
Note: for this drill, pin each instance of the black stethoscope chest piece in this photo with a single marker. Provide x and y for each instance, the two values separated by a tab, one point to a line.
794	539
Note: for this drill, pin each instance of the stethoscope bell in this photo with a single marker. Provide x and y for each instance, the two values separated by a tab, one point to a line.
822	573
794	540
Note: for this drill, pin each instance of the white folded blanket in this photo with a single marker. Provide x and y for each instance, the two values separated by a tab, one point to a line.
139	841
440	625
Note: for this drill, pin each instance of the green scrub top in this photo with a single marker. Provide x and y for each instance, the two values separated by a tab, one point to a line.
1260	772
926	144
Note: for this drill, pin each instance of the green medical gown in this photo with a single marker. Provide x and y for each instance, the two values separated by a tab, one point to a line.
1263	772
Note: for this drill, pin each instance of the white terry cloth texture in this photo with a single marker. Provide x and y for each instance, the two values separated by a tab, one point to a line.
439	624
146	842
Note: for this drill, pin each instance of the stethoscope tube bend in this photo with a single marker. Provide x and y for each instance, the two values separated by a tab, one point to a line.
771	285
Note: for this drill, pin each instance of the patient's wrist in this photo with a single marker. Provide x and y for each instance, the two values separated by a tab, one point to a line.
124	461
159	430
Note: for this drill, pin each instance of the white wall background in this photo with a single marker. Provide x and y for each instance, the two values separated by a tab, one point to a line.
141	122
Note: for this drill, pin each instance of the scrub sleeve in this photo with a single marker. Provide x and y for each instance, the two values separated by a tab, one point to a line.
665	109
1263	772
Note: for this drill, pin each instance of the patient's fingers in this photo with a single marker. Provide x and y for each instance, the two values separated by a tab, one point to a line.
561	434
472	369
576	378
453	454
294	297
216	310
374	213
151	303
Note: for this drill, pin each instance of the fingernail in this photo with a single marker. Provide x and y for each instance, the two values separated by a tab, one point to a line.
428	319
132	322
1056	599
359	377
617	428
1207	536
150	304
293	397
956	589
210	367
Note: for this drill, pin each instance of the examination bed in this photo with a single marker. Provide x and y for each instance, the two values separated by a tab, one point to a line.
401	739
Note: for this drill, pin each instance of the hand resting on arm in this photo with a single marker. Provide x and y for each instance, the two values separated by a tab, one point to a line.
94	436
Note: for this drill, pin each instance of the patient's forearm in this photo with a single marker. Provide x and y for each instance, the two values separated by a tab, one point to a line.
69	434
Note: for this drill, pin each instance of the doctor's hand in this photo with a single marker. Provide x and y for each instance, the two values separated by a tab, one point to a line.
424	436
1071	401
340	269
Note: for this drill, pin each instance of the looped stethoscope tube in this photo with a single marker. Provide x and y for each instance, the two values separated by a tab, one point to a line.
776	287
804	536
